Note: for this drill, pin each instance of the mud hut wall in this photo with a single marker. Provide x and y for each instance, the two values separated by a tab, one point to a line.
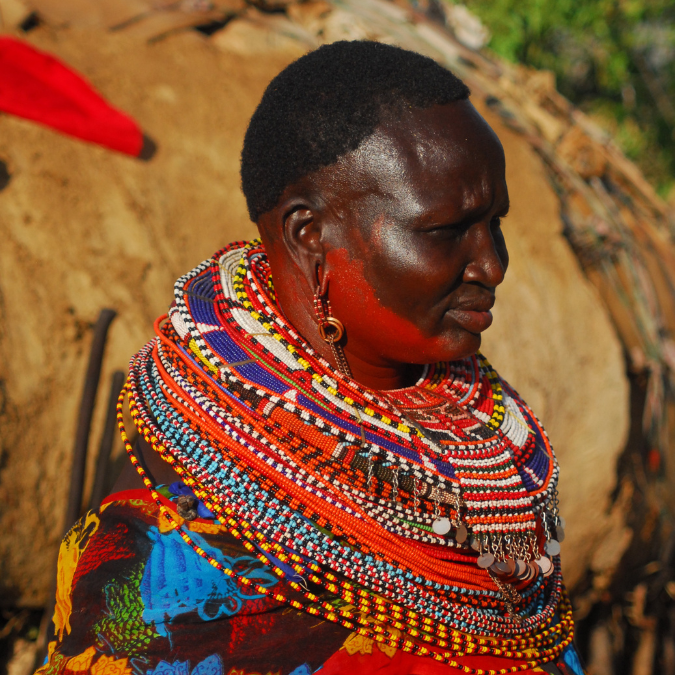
84	228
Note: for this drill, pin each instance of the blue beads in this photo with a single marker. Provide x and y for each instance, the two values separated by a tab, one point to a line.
226	476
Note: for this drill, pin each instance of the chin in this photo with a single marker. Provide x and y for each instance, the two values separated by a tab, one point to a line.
446	348
468	348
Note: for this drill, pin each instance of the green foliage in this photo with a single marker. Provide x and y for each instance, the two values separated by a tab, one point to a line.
613	58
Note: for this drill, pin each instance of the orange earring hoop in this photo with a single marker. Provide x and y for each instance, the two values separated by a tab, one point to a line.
331	329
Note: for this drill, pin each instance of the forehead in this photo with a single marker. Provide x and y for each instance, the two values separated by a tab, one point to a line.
428	162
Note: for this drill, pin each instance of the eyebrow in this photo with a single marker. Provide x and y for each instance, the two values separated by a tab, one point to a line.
468	214
477	212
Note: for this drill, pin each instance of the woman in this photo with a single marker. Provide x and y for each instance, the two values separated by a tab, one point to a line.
330	475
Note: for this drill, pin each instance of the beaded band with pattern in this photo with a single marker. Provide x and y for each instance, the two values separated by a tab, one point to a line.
347	486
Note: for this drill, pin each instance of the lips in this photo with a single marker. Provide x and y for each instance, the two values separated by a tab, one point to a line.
471	320
474	315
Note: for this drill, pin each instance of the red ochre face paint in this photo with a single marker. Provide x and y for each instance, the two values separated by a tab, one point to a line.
385	333
414	248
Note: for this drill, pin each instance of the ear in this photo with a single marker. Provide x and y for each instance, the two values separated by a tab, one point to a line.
302	230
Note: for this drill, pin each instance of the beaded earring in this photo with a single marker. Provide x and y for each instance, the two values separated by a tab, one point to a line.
331	331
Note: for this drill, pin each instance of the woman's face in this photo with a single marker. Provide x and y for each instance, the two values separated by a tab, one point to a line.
411	229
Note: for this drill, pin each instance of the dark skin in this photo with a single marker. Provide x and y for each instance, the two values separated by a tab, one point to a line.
404	237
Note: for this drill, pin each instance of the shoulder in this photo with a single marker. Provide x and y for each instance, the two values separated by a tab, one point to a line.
128	582
136	596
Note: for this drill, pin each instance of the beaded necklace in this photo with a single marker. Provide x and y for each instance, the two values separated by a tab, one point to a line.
370	495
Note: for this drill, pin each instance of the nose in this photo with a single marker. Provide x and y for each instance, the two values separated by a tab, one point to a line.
487	256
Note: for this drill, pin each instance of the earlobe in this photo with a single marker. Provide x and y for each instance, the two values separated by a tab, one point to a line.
321	281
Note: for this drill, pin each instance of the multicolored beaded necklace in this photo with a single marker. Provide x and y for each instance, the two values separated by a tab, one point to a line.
406	507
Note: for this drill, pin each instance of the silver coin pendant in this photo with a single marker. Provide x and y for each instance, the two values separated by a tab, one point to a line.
441	526
485	560
552	547
461	534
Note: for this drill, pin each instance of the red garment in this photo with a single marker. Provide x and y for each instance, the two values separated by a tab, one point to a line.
38	87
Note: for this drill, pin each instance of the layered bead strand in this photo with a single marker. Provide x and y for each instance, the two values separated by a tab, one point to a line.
307	467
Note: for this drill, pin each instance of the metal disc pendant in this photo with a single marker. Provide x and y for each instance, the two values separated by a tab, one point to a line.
520	568
485	560
441	526
562	522
560	534
501	567
552	547
534	570
461	534
473	542
545	564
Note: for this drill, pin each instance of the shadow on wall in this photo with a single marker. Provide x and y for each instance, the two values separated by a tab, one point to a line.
5	175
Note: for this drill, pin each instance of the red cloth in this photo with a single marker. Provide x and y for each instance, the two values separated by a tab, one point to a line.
38	87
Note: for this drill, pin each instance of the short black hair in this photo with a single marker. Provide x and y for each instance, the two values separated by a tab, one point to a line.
325	104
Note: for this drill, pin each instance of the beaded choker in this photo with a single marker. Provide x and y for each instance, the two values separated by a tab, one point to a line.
408	508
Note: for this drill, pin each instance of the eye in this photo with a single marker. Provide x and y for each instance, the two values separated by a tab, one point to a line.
450	230
497	221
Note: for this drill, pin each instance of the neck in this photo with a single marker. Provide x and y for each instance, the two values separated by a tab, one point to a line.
296	302
382	376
